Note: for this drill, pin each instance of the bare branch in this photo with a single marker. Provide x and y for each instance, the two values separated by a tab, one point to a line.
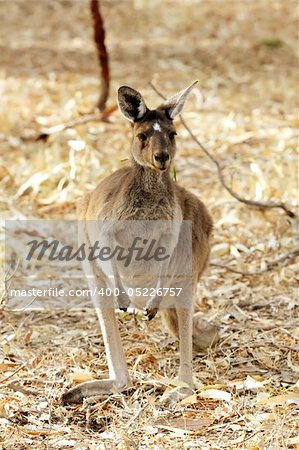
15	386
13	373
99	38
7	282
269	265
46	132
254	203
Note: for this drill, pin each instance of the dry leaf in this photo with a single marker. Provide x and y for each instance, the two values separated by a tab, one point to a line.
190	400
183	424
216	394
279	399
4	367
80	376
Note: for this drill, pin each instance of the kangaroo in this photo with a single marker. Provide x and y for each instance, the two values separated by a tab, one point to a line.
145	191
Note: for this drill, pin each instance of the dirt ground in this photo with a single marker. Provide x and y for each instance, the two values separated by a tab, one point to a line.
244	55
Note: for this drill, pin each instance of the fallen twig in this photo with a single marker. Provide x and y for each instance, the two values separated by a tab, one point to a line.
7	282
254	203
46	132
269	265
18	388
12	374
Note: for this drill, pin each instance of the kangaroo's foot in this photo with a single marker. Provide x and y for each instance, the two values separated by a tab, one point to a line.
90	389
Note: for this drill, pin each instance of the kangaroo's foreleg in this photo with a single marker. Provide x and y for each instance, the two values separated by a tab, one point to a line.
153	304
122	298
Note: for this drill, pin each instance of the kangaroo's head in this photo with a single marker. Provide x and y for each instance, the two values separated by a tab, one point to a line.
153	130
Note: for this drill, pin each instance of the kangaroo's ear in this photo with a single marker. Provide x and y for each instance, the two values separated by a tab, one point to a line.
131	103
174	104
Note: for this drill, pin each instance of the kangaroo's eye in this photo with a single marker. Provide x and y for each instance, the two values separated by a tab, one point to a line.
172	135
142	137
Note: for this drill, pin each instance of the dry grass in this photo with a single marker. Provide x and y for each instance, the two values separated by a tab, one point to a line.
244	55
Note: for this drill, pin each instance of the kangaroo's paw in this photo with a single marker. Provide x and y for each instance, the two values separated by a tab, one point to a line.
88	389
123	301
152	307
150	313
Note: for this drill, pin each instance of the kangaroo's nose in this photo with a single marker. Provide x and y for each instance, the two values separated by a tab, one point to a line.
161	158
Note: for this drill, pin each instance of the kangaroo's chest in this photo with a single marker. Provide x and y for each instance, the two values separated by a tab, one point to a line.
147	208
143	206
